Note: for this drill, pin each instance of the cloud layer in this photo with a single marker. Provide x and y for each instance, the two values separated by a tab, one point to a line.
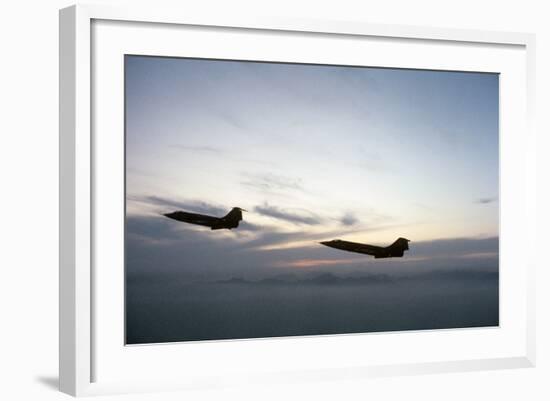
159	246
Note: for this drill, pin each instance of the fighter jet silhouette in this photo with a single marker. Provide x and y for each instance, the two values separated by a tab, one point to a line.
229	221
395	250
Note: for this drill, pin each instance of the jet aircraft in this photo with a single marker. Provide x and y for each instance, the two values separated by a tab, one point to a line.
394	250
229	221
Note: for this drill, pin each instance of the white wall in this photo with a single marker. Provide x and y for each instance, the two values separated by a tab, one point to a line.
28	202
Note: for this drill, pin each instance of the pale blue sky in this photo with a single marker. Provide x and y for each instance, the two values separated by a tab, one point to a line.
313	152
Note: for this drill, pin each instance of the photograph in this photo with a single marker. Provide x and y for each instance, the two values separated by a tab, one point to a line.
275	199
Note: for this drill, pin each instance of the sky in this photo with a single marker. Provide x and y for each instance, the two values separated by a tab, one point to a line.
313	153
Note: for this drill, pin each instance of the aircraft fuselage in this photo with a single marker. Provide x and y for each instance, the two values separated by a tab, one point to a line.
395	250
231	220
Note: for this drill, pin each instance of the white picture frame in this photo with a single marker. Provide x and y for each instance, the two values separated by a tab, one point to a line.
79	348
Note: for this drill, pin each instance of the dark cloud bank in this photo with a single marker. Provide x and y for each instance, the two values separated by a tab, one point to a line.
186	284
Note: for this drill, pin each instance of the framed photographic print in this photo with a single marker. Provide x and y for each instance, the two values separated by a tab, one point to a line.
278	200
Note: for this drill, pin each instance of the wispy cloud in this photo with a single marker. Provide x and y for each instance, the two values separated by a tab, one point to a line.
484	201
349	219
204	149
194	206
373	161
272	182
227	153
291	216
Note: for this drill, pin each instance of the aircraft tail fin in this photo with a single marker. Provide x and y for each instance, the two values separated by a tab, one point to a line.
234	216
401	244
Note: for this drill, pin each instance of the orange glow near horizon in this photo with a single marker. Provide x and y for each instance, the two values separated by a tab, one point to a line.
305	263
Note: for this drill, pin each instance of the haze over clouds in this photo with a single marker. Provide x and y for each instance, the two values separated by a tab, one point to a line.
313	153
